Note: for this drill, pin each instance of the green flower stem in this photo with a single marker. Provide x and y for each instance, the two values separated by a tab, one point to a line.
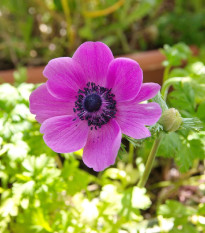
168	83
150	161
166	73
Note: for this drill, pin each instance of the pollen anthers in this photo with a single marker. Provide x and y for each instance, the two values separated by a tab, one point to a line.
95	104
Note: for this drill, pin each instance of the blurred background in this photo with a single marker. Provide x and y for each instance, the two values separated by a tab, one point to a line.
42	191
33	32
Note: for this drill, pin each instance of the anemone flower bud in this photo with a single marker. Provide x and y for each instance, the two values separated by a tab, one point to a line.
171	120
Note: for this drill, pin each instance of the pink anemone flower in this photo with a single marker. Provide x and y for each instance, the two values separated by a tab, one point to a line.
89	100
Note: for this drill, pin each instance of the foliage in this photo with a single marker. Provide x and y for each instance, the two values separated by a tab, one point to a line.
174	25
182	218
33	32
185	145
42	191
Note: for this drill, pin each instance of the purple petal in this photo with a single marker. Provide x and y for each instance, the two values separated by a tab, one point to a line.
125	78
63	135
94	58
45	106
136	131
132	117
102	146
65	77
147	91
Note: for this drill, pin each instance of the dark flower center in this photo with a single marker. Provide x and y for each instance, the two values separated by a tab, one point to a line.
96	105
92	103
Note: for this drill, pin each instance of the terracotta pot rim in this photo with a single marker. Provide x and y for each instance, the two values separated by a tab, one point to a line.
148	60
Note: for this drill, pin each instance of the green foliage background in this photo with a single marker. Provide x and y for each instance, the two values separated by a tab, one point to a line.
42	191
34	31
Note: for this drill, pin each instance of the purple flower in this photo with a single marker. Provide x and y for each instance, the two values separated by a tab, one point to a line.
89	100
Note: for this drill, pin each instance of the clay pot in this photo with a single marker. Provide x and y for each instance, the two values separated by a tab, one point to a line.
150	62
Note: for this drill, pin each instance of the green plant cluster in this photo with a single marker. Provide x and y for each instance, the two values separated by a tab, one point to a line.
33	32
42	191
185	22
188	96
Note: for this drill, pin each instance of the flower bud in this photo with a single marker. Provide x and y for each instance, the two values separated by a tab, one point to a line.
171	120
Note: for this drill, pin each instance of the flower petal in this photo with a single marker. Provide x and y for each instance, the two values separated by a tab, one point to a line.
147	91
94	58
63	135
65	77
102	146
125	78
45	106
132	118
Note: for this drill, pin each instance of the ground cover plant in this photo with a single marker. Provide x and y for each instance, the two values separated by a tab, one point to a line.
45	191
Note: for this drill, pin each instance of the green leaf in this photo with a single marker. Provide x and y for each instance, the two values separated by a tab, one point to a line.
134	199
184	228
9	207
200	111
8	96
193	124
20	75
26	27
39	219
139	11
128	211
174	209
36	165
73	177
25	90
170	145
111	199
178	72
122	151
139	198
18	150
201	209
176	54
22	189
134	142
183	99
114	174
190	150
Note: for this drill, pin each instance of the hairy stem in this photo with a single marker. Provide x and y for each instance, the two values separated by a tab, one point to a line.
168	83
166	73
150	161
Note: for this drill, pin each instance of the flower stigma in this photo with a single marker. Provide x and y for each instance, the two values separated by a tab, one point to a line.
95	104
92	103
